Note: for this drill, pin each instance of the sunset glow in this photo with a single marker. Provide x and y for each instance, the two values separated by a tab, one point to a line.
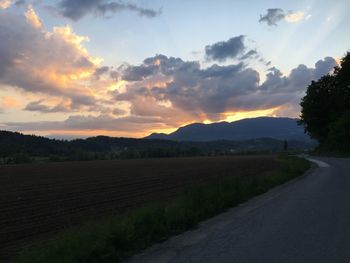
235	116
78	72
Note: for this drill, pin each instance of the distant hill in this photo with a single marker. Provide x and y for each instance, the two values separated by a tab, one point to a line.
14	142
246	129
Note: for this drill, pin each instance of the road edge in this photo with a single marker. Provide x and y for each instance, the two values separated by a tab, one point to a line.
165	251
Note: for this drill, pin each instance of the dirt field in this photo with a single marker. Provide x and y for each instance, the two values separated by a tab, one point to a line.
37	200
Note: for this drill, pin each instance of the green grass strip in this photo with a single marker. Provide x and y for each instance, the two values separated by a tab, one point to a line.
116	238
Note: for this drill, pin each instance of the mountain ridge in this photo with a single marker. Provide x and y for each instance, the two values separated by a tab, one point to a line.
281	128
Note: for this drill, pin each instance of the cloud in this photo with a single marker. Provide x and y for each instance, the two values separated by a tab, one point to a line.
250	54
286	92
33	18
20	3
209	93
57	74
168	91
77	9
295	17
189	88
223	50
78	122
299	78
136	73
4	4
9	102
118	112
49	63
324	66
234	48
40	107
99	72
179	92
274	15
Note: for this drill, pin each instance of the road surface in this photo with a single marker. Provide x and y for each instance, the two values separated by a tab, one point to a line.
306	220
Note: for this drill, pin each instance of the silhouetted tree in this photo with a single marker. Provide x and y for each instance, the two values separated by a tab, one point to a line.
326	105
318	108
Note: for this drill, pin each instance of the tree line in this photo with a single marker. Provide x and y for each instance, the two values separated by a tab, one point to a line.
18	148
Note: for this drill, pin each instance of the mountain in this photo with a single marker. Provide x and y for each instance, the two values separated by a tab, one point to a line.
246	129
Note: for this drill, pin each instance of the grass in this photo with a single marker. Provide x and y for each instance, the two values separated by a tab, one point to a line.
119	237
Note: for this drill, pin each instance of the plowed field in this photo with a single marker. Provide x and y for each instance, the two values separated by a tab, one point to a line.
37	200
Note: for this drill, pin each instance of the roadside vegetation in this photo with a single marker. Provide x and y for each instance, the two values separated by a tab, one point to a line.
326	110
119	237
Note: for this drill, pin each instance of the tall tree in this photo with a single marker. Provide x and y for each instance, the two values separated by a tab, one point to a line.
317	108
326	105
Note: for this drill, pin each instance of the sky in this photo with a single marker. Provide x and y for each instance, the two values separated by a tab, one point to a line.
78	68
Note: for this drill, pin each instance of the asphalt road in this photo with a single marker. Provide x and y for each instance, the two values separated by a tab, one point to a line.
306	220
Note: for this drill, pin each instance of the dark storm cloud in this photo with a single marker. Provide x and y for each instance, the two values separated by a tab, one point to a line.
273	16
79	8
224	50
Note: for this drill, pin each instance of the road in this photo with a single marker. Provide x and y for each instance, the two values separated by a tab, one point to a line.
306	220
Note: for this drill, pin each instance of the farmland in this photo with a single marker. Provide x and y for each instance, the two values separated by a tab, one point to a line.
38	200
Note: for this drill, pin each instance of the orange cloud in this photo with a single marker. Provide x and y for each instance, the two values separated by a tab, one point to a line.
4	4
33	18
10	102
159	95
235	116
51	63
296	17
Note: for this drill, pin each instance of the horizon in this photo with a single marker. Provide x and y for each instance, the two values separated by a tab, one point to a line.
69	138
132	68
